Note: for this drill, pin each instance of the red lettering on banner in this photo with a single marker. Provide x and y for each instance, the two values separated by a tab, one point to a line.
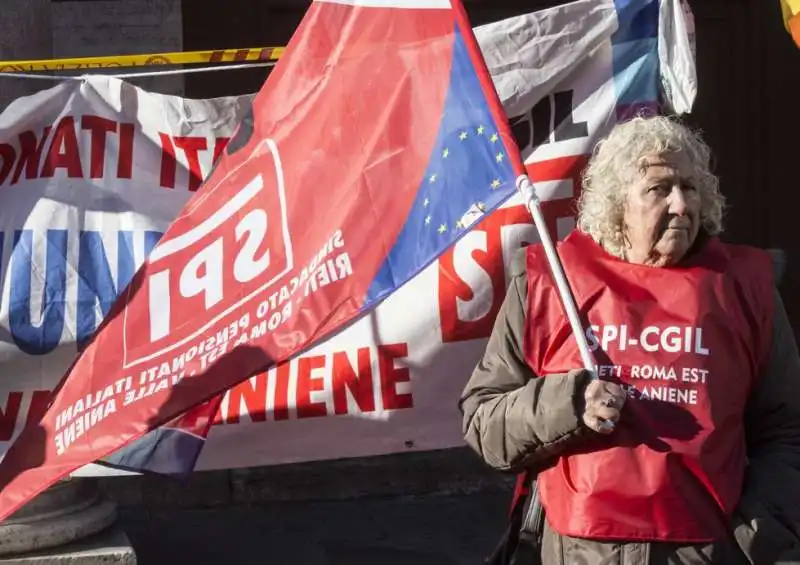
64	152
391	376
253	394
562	168
9	414
480	252
465	315
192	147
374	367
29	160
219	147
9	155
98	128
125	162
357	381
219	417
168	163
30	153
281	375
38	405
308	383
250	398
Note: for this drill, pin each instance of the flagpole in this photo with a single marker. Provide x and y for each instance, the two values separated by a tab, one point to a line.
533	204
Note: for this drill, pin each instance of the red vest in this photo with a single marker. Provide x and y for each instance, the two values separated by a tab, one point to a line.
688	344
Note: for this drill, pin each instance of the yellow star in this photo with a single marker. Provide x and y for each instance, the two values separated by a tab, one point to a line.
480	130
495	183
445	153
432	178
462	136
459	224
427	201
494	138
427	220
499	158
442	228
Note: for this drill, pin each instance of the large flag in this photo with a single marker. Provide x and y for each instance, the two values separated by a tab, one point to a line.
529	57
790	9
94	171
375	144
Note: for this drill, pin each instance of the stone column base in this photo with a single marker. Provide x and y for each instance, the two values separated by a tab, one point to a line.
109	547
70	510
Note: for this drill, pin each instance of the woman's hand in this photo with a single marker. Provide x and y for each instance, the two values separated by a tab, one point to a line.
603	405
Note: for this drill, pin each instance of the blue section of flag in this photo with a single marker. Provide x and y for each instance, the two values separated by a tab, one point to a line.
635	53
638	19
469	174
164	451
637	71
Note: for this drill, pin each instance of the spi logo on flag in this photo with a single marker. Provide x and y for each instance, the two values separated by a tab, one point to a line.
216	259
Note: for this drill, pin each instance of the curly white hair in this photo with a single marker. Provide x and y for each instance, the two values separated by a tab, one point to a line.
616	163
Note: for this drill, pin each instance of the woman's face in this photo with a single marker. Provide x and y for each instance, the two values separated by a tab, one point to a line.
662	211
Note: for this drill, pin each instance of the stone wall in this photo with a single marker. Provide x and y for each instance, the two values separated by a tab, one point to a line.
448	471
120	27
25	33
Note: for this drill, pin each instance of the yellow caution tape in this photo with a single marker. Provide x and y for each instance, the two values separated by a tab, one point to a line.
144	60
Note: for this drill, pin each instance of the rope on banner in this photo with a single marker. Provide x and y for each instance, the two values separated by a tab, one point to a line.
195	70
40	77
141	74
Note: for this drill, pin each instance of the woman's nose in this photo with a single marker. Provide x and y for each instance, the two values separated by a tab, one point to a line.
677	201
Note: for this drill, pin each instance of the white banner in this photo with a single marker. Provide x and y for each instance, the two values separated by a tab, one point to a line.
93	171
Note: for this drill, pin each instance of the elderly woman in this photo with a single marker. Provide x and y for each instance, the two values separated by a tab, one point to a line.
698	370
